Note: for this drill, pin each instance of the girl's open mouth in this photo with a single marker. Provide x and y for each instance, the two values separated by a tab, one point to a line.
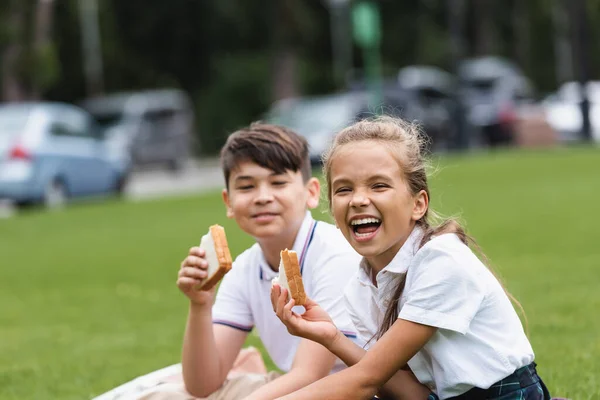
365	228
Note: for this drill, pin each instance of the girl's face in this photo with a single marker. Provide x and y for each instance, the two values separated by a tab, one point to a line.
371	201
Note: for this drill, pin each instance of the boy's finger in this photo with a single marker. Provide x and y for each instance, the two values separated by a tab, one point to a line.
187	283
192	272
197	251
193	261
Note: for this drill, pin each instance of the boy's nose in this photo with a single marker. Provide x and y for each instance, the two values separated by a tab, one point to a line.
264	196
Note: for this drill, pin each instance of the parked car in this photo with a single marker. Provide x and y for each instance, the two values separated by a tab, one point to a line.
317	118
430	99
563	111
52	152
422	94
154	126
492	89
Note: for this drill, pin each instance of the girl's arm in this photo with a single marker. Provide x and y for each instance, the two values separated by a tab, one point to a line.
311	363
402	386
378	365
316	325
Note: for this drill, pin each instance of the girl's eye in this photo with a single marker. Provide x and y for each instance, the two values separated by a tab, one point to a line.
380	186
341	190
279	183
245	187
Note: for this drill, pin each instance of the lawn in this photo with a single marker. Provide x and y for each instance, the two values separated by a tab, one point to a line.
88	297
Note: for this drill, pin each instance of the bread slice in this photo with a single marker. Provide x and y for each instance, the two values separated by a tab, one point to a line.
218	256
290	277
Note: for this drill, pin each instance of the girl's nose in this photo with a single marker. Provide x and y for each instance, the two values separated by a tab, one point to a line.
359	200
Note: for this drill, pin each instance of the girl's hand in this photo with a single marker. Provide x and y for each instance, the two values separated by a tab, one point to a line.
193	270
315	324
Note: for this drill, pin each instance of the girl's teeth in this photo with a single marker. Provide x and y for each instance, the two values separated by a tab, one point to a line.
360	235
365	221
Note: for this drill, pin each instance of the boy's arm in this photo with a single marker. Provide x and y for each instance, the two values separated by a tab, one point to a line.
311	363
209	351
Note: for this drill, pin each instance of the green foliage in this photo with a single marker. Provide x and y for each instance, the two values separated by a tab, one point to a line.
238	94
88	297
222	52
45	66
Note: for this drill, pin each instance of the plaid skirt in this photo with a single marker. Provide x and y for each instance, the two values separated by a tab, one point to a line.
523	384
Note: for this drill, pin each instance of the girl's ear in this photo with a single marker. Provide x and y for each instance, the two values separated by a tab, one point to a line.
314	193
226	200
421	204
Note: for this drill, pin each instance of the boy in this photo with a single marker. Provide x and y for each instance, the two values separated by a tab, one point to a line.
269	190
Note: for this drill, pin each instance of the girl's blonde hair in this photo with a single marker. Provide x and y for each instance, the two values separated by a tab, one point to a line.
408	146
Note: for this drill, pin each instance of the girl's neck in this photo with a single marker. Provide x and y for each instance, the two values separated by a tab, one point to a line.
382	260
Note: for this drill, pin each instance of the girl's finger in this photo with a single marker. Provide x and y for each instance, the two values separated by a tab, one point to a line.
309	303
281	301
287	310
275	289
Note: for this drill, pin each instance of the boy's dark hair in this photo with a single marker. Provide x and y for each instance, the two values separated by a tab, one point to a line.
271	146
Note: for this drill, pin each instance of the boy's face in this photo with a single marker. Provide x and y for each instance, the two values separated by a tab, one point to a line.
267	205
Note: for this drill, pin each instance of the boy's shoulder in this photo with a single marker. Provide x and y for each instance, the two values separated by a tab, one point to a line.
330	239
248	258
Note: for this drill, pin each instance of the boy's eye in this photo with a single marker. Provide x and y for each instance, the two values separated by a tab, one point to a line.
245	187
279	183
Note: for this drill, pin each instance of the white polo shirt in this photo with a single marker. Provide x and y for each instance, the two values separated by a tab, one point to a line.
327	263
480	339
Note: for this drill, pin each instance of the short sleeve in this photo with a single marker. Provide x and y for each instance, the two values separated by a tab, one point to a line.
443	291
231	306
332	274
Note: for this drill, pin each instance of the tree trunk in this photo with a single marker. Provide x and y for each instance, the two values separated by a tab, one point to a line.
13	88
42	42
485	31
521	36
285	57
563	52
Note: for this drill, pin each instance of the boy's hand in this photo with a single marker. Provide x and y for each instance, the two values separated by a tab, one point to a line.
193	270
315	324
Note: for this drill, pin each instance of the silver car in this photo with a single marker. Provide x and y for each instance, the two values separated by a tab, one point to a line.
51	152
153	126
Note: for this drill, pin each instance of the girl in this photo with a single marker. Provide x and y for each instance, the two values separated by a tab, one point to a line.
421	298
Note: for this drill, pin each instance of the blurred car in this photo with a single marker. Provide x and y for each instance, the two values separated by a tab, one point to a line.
430	98
317	118
492	89
422	94
563	111
51	152
154	126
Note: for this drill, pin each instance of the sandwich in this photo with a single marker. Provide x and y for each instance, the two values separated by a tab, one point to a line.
214	243
290	277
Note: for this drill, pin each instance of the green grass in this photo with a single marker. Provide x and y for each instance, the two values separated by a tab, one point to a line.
88	297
